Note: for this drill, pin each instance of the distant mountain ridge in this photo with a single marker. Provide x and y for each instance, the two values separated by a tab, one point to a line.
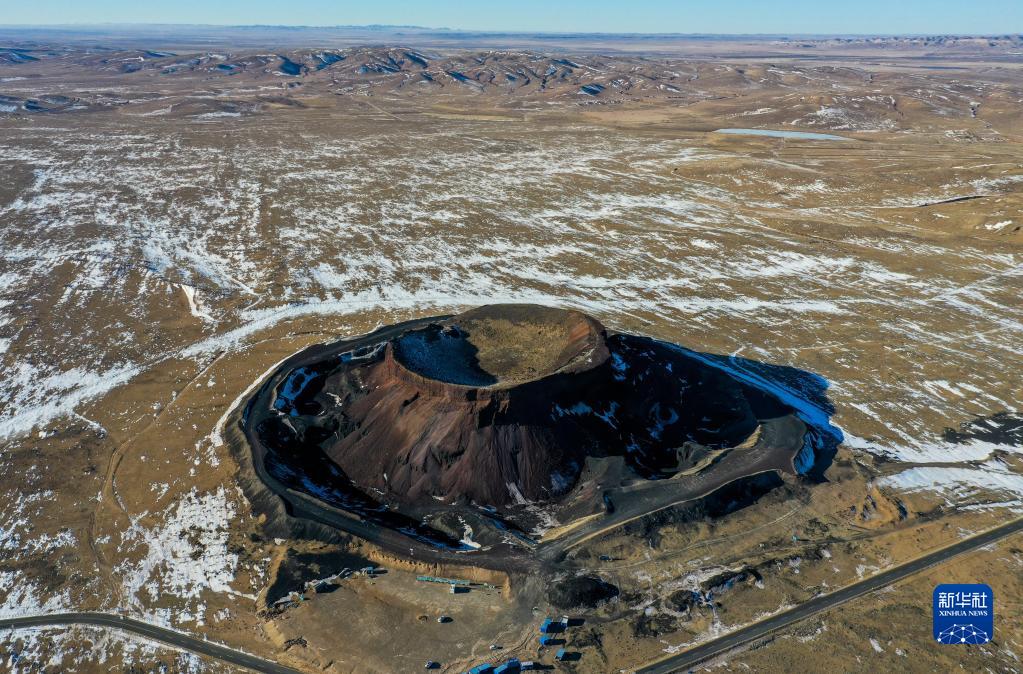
197	36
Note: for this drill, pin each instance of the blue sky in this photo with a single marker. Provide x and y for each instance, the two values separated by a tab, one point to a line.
678	16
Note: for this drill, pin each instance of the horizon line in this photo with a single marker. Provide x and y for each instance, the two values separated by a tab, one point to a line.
447	29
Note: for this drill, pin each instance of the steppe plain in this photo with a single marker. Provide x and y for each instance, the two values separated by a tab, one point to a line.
177	220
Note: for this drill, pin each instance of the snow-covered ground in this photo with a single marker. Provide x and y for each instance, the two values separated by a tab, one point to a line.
19	595
145	228
126	248
68	649
183	556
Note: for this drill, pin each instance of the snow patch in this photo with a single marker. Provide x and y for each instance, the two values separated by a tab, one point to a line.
184	556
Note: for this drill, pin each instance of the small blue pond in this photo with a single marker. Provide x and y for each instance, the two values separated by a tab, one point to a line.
774	133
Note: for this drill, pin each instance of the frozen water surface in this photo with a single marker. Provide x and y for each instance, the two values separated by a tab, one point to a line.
773	133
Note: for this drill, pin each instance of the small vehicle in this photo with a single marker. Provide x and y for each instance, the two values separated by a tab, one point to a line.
444	619
430	664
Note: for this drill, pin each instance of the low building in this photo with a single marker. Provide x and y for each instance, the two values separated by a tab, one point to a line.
550	626
509	667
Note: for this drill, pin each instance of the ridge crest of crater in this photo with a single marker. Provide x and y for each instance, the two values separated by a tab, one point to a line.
500	346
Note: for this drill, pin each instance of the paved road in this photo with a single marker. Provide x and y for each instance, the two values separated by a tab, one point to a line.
688	659
163	635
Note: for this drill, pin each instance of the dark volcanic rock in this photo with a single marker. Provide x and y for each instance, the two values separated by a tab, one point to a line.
684	600
1002	428
581	591
468	409
497	406
650	626
297	569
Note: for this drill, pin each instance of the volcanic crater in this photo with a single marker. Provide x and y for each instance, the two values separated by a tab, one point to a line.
505	409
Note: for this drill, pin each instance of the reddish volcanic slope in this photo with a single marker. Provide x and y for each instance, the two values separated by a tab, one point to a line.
497	406
462	409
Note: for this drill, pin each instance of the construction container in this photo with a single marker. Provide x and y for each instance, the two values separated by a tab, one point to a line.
443	581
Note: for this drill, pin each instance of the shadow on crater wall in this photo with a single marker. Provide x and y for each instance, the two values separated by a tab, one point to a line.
348	428
803	391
